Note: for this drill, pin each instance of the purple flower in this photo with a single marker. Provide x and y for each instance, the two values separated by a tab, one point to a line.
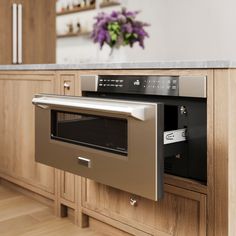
128	28
119	28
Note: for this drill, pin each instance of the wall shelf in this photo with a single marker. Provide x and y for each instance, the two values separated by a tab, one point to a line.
109	4
69	35
76	9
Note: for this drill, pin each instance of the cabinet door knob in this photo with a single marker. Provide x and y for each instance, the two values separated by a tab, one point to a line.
66	85
133	202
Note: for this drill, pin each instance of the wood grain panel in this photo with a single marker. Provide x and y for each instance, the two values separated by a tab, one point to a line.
67	185
210	155
232	154
99	226
181	212
6	32
221	152
39	31
17	128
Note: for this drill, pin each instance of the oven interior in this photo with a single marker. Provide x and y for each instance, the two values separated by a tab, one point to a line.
185	159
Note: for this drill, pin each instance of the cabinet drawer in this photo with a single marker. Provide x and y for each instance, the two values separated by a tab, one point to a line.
180	212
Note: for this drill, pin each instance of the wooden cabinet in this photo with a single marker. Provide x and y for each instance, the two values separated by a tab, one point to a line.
17	134
181	212
38	31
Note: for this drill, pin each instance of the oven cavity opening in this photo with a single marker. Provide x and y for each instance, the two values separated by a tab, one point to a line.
170	117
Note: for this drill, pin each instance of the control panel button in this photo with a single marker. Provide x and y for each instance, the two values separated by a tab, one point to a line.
137	82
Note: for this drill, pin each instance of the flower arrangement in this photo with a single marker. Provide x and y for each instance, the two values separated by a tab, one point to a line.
120	28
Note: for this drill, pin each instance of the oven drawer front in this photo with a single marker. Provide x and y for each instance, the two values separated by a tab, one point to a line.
117	143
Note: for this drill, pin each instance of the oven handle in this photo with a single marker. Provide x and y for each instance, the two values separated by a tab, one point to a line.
132	109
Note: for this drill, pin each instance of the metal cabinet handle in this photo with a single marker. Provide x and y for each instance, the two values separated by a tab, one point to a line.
19	30
14	33
66	85
133	202
84	162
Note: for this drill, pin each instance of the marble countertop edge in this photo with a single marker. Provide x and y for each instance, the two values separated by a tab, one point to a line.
217	64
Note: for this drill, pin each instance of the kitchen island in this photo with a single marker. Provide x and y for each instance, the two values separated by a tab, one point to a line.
189	207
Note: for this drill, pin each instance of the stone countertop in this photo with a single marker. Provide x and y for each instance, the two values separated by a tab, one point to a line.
220	64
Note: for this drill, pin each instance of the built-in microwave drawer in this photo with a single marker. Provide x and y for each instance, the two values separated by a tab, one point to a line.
114	142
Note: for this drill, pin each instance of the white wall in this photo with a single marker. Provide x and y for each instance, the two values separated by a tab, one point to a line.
180	30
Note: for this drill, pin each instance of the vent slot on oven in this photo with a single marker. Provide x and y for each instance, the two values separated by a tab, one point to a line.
99	132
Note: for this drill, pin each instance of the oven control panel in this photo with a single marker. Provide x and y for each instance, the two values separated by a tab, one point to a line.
184	86
153	85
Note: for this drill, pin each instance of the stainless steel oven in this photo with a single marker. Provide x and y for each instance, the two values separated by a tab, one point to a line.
122	128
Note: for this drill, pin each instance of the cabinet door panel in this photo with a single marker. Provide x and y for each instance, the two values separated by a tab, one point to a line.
180	212
38	35
39	31
17	133
67	186
6	31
